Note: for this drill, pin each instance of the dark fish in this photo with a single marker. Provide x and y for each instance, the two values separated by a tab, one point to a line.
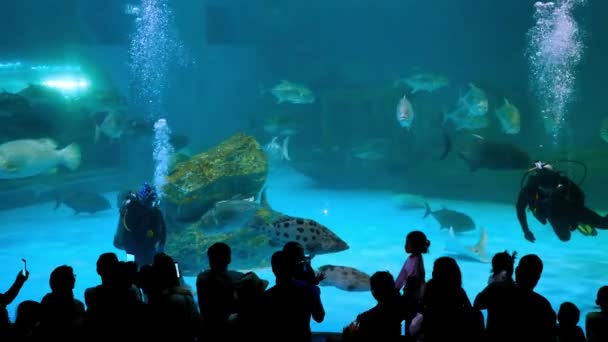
449	218
487	154
179	141
84	202
345	278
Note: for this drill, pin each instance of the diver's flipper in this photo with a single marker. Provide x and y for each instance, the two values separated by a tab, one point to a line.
586	230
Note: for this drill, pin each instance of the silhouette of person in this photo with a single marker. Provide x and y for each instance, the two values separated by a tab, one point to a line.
141	229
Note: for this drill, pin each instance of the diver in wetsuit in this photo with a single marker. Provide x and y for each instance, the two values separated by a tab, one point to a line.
553	197
141	229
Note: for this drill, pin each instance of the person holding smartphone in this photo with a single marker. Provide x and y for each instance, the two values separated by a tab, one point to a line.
9	296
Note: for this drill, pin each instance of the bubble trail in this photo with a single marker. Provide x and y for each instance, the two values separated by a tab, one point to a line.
554	51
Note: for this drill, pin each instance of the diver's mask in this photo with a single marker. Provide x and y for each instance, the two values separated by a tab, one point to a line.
541	166
147	196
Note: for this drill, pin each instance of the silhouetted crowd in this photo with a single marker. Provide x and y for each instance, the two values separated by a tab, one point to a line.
152	303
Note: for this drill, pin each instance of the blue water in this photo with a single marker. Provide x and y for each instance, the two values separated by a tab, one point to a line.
370	222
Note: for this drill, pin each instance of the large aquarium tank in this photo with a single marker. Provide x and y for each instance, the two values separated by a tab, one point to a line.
342	125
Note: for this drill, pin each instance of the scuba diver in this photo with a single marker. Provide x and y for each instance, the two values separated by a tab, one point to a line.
141	229
553	197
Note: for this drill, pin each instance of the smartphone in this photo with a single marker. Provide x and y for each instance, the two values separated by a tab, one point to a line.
130	257
24	270
177	270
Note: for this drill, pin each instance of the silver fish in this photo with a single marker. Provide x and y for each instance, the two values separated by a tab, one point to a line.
405	113
291	92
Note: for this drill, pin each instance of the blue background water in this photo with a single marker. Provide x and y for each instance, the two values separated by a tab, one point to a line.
370	222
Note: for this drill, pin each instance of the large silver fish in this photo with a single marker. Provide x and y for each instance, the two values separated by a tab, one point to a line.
31	157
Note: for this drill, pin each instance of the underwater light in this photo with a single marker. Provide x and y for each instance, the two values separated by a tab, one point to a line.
67	84
325	212
10	65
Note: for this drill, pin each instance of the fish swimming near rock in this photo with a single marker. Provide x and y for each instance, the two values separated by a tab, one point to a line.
344	278
476	252
291	92
84	202
315	237
281	124
494	155
447	218
229	215
276	151
30	157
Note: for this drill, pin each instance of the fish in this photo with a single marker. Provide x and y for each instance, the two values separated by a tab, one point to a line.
30	157
604	129
405	112
229	215
84	202
494	155
315	237
113	126
370	150
447	218
476	252
291	92
344	278
40	96
281	124
102	102
13	104
509	118
179	141
475	101
460	119
276	151
428	82
409	201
